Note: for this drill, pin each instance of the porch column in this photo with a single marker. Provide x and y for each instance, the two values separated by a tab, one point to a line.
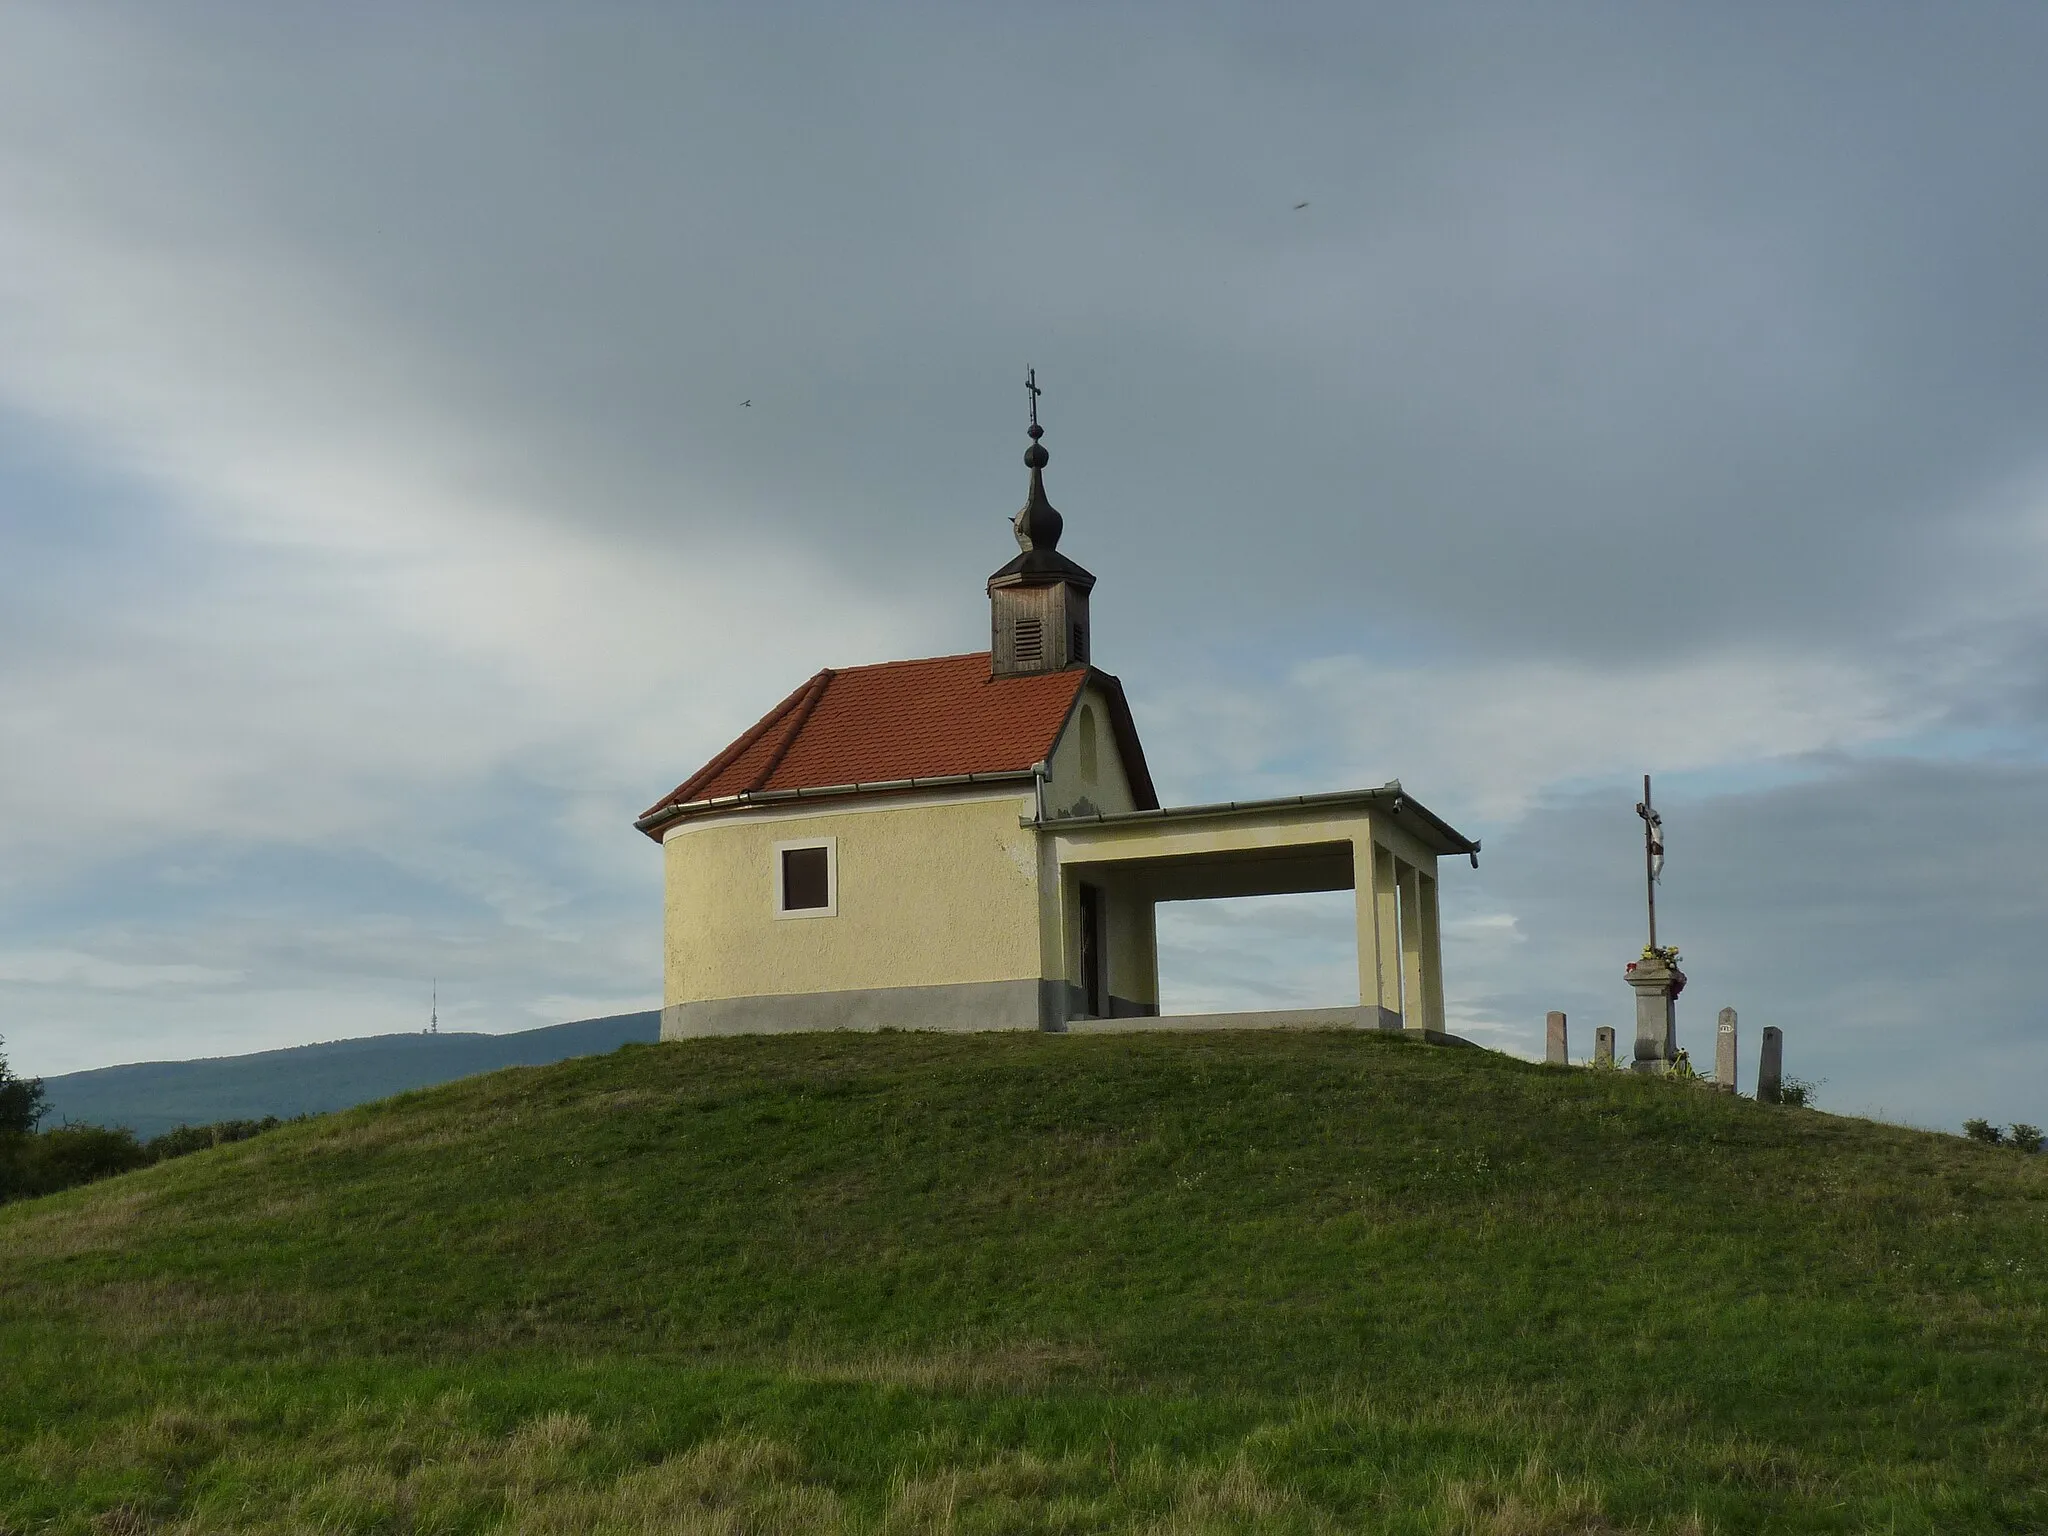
1379	942
1432	954
1387	913
1414	972
1055	1002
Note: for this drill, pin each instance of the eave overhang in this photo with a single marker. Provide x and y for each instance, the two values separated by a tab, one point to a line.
657	820
1389	800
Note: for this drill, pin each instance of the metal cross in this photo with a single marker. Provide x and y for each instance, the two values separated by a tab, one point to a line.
1031	388
1653	853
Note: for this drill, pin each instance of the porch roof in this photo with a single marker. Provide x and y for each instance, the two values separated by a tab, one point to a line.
1389	800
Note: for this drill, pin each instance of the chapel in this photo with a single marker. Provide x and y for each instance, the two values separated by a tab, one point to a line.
973	842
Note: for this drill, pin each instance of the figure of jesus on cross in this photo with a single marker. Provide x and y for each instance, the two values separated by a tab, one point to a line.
1653	853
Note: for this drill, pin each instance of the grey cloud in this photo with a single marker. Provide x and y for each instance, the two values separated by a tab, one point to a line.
1747	301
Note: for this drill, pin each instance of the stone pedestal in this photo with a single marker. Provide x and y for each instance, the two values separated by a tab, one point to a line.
1657	982
1770	1066
1724	1052
1554	1050
1603	1047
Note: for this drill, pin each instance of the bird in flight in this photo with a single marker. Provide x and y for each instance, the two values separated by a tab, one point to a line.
1299	206
746	402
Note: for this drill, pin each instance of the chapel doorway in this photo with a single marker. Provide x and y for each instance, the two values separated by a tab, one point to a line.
1094	939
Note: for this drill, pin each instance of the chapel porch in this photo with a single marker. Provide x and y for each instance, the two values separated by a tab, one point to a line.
1113	869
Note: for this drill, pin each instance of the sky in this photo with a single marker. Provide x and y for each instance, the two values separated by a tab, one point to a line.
1643	389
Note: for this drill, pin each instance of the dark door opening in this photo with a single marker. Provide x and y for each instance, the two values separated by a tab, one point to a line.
1094	995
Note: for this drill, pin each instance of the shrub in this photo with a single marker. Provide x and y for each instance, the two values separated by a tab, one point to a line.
2026	1137
1797	1092
76	1154
1984	1131
197	1138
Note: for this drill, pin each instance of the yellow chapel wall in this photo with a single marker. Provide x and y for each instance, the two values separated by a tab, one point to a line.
931	893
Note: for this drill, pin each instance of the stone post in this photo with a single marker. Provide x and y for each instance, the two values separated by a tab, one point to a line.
1657	983
1603	1047
1770	1066
1554	1050
1724	1052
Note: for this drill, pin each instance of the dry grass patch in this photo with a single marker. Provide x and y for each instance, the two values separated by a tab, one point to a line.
69	1225
131	1312
1016	1366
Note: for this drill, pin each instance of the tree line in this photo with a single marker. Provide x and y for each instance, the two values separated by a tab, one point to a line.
34	1161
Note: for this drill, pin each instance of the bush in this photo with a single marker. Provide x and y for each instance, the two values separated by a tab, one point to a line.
1797	1092
56	1159
2026	1137
197	1138
75	1154
1984	1131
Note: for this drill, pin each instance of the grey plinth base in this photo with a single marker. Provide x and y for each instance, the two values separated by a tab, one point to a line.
967	1006
989	1005
1657	984
1278	1018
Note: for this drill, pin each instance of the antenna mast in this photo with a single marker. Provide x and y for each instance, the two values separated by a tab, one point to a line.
434	1011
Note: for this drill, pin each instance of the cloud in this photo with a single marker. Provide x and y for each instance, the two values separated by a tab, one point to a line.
1487	739
59	967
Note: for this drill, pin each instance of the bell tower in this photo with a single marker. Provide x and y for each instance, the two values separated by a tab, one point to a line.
1038	603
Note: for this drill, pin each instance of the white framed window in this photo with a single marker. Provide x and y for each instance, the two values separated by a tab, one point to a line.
806	876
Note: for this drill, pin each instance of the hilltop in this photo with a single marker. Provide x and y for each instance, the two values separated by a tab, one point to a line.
151	1097
1270	1282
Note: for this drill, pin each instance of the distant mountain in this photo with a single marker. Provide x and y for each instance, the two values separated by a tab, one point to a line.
152	1097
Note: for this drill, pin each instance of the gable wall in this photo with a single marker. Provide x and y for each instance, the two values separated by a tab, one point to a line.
1066	785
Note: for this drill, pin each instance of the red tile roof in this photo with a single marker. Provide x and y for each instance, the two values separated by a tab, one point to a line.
902	720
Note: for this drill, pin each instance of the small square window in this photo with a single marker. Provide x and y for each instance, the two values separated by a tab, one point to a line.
803	880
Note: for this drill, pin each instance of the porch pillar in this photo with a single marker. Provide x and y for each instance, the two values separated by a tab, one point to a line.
1387	908
1379	942
1414	967
1432	954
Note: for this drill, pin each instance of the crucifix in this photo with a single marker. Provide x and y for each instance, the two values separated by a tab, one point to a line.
1653	853
1031	388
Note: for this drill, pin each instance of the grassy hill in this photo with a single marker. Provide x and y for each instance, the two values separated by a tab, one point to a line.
151	1097
1272	1282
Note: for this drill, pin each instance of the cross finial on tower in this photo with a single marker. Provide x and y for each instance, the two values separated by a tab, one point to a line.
1035	457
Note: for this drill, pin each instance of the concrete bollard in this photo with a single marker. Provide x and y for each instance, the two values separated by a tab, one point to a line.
1603	1047
1724	1052
1554	1050
1770	1066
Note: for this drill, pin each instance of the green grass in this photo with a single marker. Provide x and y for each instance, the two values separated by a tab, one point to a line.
1262	1282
